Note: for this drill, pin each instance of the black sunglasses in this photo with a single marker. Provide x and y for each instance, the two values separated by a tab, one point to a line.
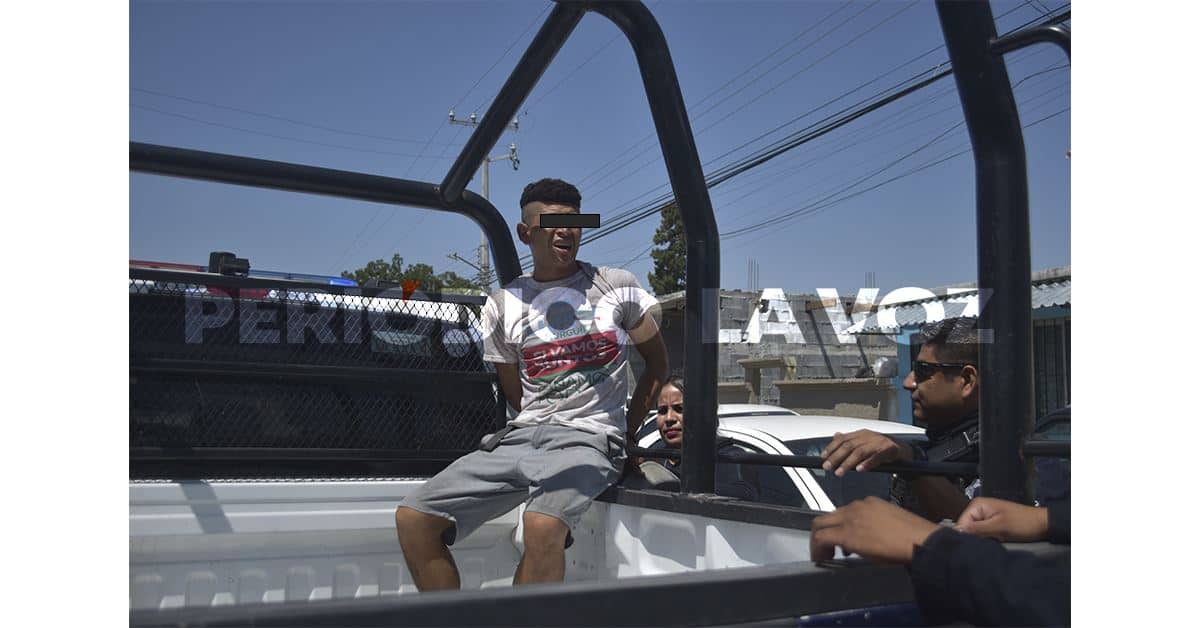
678	407
924	370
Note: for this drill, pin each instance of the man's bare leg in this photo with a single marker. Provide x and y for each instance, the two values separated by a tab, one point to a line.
429	560
545	555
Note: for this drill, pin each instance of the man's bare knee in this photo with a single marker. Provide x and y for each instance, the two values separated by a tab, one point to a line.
544	532
414	523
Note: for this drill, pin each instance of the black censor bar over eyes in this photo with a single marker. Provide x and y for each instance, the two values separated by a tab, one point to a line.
570	221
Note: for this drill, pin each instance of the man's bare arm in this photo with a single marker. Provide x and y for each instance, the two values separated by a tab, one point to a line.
648	340
510	383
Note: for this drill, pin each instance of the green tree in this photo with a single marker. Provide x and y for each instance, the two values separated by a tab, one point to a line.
670	261
396	272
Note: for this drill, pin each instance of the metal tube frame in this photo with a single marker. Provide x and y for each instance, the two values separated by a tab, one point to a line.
207	166
1002	229
1050	33
701	313
679	152
815	462
1002	232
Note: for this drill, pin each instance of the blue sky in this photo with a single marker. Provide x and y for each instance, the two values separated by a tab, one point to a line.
366	86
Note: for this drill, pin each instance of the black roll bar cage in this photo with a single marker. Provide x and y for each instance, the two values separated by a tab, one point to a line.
778	591
1001	216
679	152
1006	406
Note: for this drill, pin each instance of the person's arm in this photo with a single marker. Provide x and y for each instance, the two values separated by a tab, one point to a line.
510	383
959	577
956	576
649	343
1004	520
1058	515
864	450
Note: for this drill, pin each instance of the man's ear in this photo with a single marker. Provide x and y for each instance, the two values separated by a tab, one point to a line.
970	377
523	232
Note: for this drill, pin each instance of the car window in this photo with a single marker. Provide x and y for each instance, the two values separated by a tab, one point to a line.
851	486
775	486
1054	430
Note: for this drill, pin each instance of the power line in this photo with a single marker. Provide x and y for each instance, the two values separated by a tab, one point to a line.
504	54
817	206
777	180
441	154
1024	103
274	135
656	206
640	167
795	139
842	187
700	115
737	76
579	67
744	72
945	73
275	117
834	201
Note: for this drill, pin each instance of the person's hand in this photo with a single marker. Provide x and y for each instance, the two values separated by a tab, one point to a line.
873	528
1004	520
632	468
861	450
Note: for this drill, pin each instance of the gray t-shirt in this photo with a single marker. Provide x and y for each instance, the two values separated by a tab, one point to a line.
569	338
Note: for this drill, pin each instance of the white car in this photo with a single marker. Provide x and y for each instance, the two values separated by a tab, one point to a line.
774	430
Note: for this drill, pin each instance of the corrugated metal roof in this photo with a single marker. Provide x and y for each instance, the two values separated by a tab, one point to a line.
914	313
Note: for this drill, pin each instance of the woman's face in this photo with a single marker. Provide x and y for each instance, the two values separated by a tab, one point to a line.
670	416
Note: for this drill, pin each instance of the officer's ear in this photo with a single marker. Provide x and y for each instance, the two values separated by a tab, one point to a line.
523	232
970	380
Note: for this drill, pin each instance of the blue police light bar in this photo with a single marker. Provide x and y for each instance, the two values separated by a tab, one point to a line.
327	279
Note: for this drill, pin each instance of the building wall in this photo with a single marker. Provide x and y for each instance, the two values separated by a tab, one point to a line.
864	398
821	356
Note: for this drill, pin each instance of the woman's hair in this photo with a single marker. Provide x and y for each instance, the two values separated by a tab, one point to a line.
675	380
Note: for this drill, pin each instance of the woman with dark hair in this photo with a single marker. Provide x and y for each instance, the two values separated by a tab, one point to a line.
732	480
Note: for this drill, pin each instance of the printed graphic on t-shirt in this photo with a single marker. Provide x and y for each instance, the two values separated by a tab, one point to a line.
585	353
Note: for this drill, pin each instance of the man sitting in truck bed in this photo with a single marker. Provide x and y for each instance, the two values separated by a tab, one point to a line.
559	338
944	383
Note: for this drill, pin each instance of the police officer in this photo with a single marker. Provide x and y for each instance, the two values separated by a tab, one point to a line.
944	383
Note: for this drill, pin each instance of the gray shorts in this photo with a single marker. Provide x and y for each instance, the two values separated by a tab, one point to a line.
556	470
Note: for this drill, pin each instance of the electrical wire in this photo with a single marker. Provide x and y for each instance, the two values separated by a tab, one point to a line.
777	85
437	130
651	135
275	135
696	118
788	123
269	116
649	209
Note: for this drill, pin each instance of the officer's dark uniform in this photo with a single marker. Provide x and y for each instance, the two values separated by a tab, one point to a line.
959	443
960	577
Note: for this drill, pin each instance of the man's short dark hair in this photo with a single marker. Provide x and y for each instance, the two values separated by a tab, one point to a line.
952	339
551	191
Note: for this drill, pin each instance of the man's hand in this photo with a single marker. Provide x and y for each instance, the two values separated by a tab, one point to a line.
872	528
1004	520
861	450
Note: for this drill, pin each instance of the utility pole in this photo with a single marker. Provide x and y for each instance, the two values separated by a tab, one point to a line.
484	267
